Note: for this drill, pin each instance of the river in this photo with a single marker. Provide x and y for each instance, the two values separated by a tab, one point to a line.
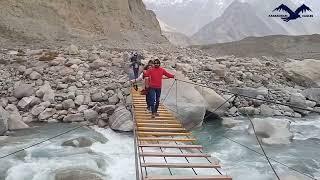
112	154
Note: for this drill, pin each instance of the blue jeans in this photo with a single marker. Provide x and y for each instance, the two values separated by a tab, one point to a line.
155	94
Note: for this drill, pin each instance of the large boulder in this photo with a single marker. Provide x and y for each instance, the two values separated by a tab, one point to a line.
214	102
79	142
15	119
22	90
46	93
272	131
312	94
299	101
3	121
305	73
78	174
90	115
188	104
121	119
251	92
184	67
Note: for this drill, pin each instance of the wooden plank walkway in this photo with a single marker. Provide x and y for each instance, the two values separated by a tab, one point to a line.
166	150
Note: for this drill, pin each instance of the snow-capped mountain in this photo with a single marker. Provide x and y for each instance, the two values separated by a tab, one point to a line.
187	16
213	20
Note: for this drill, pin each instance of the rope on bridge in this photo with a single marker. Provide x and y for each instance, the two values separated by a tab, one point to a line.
235	95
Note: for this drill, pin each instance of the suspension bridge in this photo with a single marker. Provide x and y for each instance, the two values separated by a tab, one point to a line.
165	150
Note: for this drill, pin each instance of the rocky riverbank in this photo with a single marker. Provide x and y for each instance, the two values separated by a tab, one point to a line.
66	85
91	85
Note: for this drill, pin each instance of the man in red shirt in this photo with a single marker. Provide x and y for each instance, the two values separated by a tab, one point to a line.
155	83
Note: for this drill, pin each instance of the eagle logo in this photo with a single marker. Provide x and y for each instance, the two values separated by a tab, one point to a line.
292	15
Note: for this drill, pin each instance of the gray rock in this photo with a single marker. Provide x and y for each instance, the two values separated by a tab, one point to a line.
25	103
312	94
71	62
215	102
265	110
79	142
113	100
73	118
305	73
87	99
247	110
73	50
46	93
22	90
90	115
97	97
233	110
36	110
251	92
28	119
68	104
102	123
35	75
121	120
15	121
3	102
79	100
71	95
272	131
79	174
46	114
300	101
187	68
82	108
3	121
108	109
97	64
297	115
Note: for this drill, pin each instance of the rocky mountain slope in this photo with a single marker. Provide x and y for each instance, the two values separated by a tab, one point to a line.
297	47
115	21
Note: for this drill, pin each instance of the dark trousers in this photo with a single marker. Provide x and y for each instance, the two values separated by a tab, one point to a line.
136	72
148	99
155	94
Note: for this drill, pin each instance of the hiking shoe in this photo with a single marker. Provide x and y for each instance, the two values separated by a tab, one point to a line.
157	114
153	116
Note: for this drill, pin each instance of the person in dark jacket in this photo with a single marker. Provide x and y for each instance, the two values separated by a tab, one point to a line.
135	64
155	75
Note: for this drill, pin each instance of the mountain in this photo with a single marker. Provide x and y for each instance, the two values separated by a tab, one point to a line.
251	18
238	21
118	20
296	47
187	16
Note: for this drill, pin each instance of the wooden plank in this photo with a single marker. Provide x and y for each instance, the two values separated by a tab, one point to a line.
158	154
159	125
157	121
162	129
143	112
148	116
162	134
166	139
180	165
199	177
182	146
